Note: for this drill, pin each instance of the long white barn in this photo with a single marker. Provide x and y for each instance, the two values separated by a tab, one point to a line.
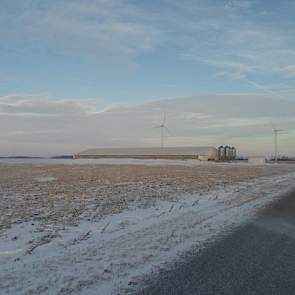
202	153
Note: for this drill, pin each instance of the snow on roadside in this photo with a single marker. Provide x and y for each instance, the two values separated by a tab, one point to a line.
117	252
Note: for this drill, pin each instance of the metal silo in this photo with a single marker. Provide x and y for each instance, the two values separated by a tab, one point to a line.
227	152
221	153
234	153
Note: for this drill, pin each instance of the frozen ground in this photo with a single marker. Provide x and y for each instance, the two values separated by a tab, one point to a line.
67	194
106	245
103	161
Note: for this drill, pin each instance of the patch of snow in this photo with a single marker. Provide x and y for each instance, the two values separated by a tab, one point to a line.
116	252
45	179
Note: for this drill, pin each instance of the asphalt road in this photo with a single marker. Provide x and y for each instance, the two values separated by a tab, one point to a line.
258	258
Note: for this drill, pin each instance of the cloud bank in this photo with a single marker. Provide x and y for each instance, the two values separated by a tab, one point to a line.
32	125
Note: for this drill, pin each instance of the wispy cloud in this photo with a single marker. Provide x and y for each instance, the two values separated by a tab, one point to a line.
102	28
290	70
37	105
238	38
238	4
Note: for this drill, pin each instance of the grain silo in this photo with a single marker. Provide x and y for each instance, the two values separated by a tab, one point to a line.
227	153
221	153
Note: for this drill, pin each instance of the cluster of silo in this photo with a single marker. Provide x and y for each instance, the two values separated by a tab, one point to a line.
227	153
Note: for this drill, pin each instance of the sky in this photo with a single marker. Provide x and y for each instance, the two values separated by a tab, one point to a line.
99	73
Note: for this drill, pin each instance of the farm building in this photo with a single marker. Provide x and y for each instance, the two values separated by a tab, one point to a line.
202	153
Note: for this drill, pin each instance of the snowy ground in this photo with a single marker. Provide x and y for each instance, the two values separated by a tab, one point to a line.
113	254
104	161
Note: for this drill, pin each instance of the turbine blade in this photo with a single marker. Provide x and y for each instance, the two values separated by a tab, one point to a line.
164	118
273	125
169	132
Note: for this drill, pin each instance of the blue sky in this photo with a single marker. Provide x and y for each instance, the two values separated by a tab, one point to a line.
106	53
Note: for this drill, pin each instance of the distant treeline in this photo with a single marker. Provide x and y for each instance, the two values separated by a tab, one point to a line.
20	157
29	157
285	158
62	157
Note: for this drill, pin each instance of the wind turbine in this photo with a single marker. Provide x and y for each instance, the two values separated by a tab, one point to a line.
163	128
276	136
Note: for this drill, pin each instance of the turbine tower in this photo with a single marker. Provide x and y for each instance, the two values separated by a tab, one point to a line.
276	135
163	128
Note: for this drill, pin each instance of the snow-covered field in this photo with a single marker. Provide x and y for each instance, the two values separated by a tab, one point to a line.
114	253
103	161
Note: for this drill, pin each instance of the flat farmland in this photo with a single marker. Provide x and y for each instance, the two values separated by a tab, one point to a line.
80	228
66	193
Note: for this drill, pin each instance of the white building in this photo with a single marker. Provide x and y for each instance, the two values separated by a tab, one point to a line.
204	153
